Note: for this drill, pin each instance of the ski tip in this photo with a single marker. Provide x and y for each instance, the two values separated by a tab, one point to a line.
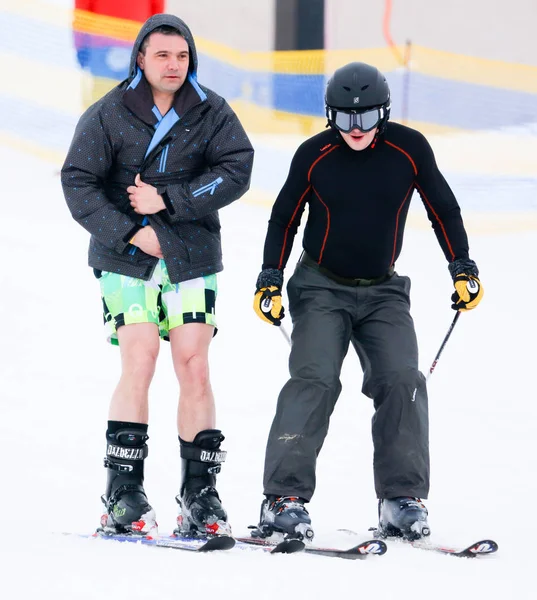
482	547
369	547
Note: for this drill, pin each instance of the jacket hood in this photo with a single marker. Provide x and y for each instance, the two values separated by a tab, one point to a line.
157	21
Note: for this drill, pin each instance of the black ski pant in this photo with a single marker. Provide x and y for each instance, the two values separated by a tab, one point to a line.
326	317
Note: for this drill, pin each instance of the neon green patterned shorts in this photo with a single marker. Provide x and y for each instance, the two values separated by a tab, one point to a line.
129	300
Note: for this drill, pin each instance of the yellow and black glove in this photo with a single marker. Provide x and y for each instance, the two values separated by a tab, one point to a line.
268	296
468	289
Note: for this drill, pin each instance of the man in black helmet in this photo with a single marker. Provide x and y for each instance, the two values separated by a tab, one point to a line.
357	178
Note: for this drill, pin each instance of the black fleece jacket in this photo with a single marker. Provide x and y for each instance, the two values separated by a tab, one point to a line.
358	203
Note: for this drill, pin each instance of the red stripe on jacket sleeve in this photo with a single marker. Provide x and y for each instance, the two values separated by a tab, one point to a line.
320	158
280	264
438	219
406	154
327	225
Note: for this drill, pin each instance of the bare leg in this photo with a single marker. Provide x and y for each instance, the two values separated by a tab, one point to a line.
190	354
139	346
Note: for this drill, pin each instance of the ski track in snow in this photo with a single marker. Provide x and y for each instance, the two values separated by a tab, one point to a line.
58	373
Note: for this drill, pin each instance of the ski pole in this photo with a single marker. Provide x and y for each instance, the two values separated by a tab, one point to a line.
437	357
285	334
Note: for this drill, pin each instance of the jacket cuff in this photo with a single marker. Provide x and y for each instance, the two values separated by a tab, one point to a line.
463	266
269	277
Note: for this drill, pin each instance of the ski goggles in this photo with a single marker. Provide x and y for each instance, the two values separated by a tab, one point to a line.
347	120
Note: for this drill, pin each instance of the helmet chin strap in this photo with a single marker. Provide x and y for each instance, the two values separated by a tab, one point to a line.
327	112
382	126
386	117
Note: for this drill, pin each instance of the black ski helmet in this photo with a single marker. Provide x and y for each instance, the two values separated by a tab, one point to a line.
357	86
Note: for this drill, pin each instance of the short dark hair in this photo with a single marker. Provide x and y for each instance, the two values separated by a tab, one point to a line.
164	29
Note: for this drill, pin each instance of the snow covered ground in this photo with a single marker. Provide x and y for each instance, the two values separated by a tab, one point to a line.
57	374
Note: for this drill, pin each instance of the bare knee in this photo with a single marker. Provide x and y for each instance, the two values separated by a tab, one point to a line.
139	359
193	370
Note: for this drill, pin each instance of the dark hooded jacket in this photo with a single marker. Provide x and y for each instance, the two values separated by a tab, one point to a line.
197	156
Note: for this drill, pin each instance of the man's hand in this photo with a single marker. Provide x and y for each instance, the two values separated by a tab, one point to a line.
268	305
144	198
468	292
268	296
146	239
468	289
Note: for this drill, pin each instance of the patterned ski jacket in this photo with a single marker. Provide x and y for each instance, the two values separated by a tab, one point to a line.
197	156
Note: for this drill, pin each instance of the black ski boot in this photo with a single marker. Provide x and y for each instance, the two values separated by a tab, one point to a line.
404	517
127	510
284	516
201	513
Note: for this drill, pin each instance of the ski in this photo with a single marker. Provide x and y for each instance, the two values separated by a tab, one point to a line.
290	546
361	551
198	544
480	548
222	542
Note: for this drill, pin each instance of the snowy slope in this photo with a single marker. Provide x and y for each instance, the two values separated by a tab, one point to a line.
57	374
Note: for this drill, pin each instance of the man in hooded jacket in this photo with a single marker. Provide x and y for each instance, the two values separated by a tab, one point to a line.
149	167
